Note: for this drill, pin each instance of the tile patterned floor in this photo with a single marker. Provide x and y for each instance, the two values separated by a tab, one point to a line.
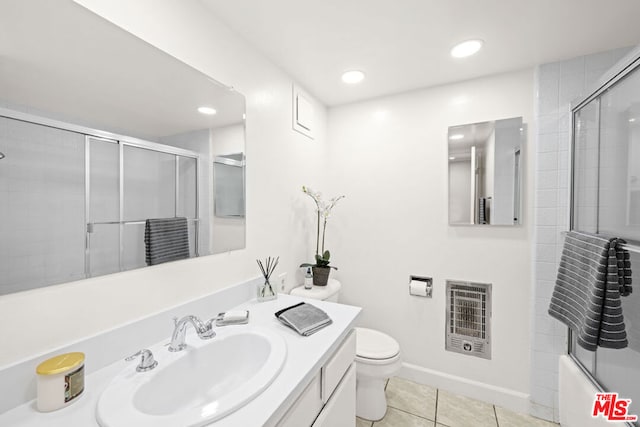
416	405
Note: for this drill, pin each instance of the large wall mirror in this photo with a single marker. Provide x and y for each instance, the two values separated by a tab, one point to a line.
485	172
107	165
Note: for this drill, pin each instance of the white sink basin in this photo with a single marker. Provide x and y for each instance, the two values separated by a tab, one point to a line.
194	387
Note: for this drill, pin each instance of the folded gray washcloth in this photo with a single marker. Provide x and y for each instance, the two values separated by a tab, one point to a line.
304	318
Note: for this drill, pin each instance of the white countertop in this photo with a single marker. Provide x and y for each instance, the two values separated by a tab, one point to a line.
305	356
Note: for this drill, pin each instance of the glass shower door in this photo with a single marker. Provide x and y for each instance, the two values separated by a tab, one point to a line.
606	200
619	215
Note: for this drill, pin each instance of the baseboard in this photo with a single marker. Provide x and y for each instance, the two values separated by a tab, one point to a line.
510	399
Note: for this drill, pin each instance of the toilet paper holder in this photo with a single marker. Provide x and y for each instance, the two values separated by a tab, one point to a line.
420	286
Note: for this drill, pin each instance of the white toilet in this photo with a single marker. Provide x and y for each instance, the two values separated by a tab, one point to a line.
377	357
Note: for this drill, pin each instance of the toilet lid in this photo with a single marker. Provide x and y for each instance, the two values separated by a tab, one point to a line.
372	344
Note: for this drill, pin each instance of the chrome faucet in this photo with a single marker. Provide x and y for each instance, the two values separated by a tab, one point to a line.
205	331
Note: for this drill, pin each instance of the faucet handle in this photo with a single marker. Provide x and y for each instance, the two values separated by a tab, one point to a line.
147	361
208	332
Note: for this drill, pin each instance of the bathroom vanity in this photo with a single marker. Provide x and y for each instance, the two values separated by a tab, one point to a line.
314	387
330	399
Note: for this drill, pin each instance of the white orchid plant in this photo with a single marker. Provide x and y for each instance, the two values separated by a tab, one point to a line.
323	210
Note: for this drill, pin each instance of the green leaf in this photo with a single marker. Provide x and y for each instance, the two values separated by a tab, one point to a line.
306	264
326	255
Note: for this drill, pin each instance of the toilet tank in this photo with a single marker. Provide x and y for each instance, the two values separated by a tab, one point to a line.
331	292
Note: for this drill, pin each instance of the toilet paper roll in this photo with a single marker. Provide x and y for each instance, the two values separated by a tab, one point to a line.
418	288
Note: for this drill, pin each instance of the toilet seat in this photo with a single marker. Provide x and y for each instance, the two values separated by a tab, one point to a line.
366	361
375	347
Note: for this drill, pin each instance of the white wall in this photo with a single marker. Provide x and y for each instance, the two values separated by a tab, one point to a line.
460	192
279	162
488	167
389	157
227	233
227	140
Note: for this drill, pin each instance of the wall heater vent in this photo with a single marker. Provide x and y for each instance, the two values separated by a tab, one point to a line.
468	318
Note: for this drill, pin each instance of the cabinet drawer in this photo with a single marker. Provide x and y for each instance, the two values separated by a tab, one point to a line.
340	411
306	408
333	371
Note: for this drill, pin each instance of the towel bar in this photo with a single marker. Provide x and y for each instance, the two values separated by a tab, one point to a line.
137	222
626	246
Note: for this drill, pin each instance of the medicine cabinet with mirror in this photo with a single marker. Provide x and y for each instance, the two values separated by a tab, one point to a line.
485	172
100	132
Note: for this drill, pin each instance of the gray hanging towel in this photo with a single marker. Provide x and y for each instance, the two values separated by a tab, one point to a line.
587	293
166	239
624	269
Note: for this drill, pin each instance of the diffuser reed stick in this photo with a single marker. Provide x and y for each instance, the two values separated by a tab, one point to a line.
265	291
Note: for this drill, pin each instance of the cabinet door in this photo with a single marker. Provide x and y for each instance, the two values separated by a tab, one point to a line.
306	407
340	410
335	368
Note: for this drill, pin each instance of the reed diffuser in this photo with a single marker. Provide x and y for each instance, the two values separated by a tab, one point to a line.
265	291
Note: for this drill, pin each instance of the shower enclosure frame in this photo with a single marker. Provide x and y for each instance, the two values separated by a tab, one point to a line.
608	81
122	141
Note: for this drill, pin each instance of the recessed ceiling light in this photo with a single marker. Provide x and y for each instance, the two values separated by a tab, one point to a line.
452	158
632	119
352	77
456	136
466	48
207	110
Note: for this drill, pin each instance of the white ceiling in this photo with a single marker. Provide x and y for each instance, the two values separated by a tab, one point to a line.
60	60
404	44
473	134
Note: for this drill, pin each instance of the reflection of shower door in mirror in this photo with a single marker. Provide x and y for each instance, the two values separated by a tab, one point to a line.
125	186
63	189
102	183
149	189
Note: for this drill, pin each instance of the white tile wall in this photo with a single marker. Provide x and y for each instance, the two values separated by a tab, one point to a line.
558	85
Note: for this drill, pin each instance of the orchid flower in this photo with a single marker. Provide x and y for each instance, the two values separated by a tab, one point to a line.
323	209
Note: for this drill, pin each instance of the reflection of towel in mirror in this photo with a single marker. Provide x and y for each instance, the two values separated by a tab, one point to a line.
482	219
593	274
304	318
166	239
